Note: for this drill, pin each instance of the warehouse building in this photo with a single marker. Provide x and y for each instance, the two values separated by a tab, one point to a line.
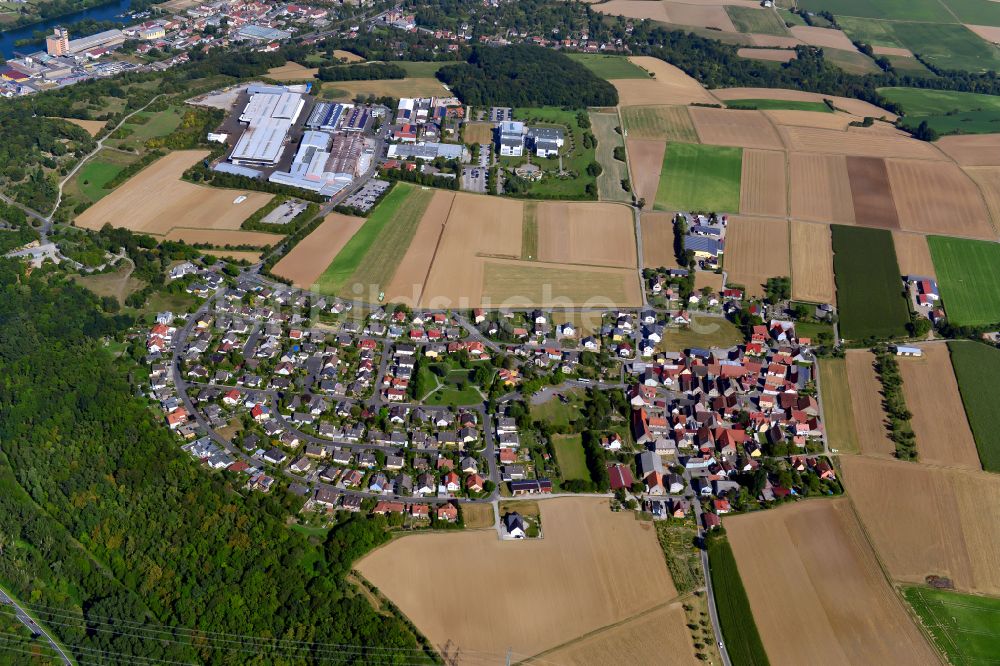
428	151
269	115
324	163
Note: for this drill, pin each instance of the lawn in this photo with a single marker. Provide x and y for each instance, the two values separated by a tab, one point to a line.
836	396
738	628
420	70
700	178
766	104
569	454
869	286
453	396
575	157
557	413
704	332
977	367
968	279
157	124
381	243
966	628
609	66
90	181
761	21
609	183
946	111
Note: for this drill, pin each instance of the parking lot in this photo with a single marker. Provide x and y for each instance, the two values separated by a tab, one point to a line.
474	179
365	198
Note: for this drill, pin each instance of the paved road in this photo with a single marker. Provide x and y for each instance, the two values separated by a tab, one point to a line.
29	622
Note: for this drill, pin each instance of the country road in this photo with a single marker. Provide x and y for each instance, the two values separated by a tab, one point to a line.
33	626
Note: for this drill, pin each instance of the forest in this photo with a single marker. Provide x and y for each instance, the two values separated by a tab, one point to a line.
366	72
526	76
123	546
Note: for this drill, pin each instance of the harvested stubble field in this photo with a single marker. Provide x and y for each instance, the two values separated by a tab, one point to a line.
730	127
672	123
646	160
926	520
861	143
92	127
310	258
763	190
408	87
237	255
973	149
584	542
814	586
714	17
232	238
833	121
773	41
668	85
966	271
757	20
837	408
407	283
931	390
827	38
870	420
609	182
988	181
509	283
635	641
292	71
812	263
589	234
156	200
478	133
872	192
848	104
820	189
700	177
938	197
756	249
769	55
658	240
913	254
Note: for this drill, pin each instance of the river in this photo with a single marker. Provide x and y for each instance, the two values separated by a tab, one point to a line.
107	12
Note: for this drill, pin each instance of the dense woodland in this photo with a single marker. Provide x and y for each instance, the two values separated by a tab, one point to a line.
107	523
526	76
367	72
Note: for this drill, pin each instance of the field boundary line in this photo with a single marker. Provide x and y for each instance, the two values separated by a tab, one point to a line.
437	245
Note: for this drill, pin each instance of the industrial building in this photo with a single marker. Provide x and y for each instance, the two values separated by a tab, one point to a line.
428	151
324	163
326	115
269	115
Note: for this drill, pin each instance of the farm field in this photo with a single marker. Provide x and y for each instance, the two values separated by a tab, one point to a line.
981	150
408	281
756	249
478	133
197	206
236	255
930	389
947	111
850	105
870	420
609	183
768	55
700	178
699	15
763	190
584	542
964	626
779	104
837	408
861	143
645	162
819	188
508	283
946	45
826	38
570	456
705	332
672	123
609	66
804	611
658	632
913	254
852	62
921	10
589	234
93	127
926	520
223	238
869	289
658	240
730	127
408	87
988	180
309	259
976	367
812	263
420	69
756	20
872	193
669	85
737	622
382	240
966	272
936	197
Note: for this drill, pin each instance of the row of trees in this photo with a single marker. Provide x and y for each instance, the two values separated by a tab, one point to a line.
894	402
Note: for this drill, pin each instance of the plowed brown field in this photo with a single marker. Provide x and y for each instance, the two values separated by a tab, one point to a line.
912	253
820	188
972	149
314	253
812	263
756	249
815	589
645	161
763	188
590	234
658	240
539	593
938	198
866	399
729	127
872	193
929	520
931	391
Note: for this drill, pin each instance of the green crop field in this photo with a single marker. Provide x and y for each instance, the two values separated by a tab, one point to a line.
569	454
965	627
762	21
738	628
947	112
967	277
977	367
767	104
906	10
869	284
976	12
609	66
851	62
949	46
700	178
381	243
